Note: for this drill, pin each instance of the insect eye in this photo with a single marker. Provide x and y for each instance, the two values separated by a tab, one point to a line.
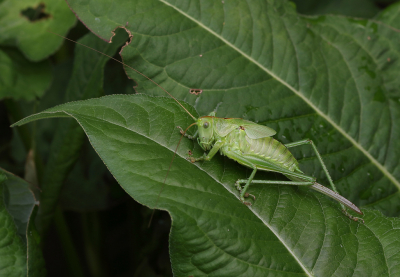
206	124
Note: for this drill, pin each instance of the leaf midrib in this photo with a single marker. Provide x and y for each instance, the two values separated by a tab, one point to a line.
299	94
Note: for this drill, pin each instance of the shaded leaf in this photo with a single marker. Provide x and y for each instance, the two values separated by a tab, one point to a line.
90	186
356	8
291	231
20	78
86	82
390	16
19	243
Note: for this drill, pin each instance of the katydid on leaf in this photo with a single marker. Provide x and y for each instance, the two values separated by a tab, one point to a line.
251	145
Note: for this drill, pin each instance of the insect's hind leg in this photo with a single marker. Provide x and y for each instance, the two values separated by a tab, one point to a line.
310	142
247	182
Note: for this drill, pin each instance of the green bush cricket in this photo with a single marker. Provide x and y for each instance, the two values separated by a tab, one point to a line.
252	145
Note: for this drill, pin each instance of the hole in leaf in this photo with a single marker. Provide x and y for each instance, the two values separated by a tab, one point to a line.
195	91
35	14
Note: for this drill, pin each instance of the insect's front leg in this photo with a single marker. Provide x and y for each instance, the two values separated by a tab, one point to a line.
211	154
185	134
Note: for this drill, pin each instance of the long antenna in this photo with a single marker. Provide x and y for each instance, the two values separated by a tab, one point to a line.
137	71
169	169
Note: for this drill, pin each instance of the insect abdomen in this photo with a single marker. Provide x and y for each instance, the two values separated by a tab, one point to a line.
266	148
273	150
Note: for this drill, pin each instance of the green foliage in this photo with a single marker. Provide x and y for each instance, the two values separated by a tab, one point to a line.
18	71
18	235
25	24
330	78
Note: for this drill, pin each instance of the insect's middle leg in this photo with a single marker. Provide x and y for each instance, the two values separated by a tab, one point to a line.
243	190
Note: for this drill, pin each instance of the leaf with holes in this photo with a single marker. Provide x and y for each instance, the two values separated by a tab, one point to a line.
25	24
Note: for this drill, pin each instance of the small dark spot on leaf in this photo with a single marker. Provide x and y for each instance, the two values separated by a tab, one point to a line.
35	14
241	127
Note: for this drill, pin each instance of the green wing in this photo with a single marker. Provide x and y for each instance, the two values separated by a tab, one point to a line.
255	131
224	126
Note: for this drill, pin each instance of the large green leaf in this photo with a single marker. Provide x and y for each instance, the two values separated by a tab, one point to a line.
288	231
329	78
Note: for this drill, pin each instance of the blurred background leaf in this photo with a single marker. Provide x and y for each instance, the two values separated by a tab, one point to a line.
25	23
17	72
19	248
